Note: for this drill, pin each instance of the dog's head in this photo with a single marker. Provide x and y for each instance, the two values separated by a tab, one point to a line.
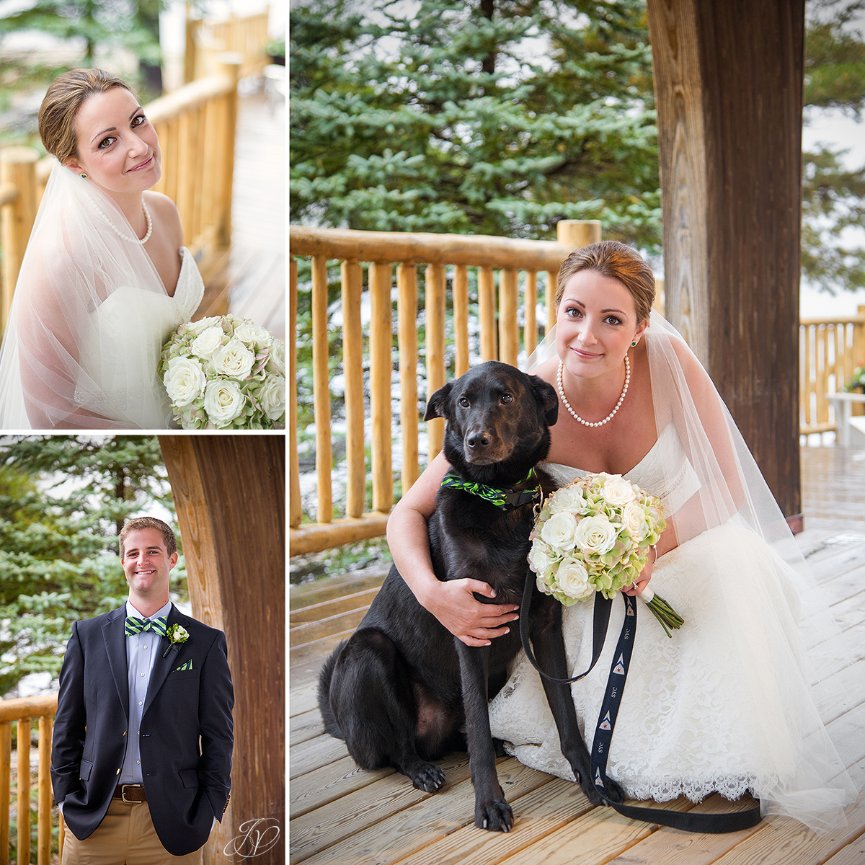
496	416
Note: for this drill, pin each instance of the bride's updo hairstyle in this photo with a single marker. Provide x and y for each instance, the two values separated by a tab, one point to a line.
616	260
60	108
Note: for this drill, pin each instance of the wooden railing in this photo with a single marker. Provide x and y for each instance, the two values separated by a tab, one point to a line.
829	350
196	126
23	713
524	267
244	35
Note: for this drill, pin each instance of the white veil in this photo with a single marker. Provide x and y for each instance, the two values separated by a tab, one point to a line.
790	611
71	356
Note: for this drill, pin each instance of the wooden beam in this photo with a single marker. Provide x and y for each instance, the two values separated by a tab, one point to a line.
229	491
728	84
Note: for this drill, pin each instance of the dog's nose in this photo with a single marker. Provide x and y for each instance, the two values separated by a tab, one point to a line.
478	439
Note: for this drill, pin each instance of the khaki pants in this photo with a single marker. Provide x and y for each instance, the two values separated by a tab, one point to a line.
125	837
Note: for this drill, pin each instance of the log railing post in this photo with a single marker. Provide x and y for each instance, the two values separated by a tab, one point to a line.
23	745
230	67
43	853
5	787
18	170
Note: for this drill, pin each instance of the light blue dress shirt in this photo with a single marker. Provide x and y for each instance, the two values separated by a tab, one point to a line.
142	650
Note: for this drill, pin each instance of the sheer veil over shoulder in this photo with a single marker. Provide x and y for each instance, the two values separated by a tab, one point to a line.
731	703
89	314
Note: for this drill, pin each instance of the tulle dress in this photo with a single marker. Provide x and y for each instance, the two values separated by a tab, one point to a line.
121	352
725	705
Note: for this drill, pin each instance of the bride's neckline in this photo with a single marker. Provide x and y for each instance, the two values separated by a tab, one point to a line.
664	432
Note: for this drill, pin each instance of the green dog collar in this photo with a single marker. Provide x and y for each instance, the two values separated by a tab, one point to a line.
506	499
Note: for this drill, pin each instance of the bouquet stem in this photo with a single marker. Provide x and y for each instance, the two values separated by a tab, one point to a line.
667	617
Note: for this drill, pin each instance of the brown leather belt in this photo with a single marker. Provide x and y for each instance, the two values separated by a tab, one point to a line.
130	793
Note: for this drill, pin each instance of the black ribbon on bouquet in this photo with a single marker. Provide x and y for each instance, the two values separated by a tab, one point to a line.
687	821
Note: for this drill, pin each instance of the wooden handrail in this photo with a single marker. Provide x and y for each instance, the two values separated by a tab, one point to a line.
396	267
22	712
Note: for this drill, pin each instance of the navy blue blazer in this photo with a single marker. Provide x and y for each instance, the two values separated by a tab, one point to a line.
187	784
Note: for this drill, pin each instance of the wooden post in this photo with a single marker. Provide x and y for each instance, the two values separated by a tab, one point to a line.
23	745
229	66
487	313
229	491
352	348
295	514
435	343
728	85
406	279
461	319
578	232
43	853
509	331
321	390
190	52
18	168
530	329
381	374
5	788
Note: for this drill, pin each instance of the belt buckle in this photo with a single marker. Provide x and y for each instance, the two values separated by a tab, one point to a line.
123	794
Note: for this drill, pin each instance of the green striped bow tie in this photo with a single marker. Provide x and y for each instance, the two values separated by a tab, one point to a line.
134	625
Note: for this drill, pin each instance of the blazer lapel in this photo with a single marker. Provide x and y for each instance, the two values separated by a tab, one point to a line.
113	633
164	660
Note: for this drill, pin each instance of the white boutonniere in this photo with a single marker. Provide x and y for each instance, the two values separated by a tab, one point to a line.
176	634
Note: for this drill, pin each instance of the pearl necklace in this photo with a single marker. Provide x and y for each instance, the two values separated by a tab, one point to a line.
147	219
612	414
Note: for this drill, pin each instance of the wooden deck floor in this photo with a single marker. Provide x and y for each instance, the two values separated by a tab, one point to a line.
340	814
250	279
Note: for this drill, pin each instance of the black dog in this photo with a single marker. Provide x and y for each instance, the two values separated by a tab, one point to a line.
400	689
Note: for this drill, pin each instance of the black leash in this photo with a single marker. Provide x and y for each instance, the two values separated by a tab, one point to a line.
687	821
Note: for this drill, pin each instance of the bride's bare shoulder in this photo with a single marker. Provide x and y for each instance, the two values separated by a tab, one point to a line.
165	216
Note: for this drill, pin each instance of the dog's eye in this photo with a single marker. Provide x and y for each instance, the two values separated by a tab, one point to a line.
464	402
505	398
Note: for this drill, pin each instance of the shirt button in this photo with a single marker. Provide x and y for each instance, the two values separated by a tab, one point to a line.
138	762
141	702
142	675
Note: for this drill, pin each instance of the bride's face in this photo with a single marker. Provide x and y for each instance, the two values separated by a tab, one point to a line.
595	324
117	146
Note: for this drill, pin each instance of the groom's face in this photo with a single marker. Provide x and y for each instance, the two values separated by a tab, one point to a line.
146	563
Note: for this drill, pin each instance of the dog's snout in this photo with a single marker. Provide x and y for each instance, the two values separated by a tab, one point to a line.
478	439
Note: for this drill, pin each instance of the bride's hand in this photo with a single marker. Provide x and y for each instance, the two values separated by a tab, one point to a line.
474	623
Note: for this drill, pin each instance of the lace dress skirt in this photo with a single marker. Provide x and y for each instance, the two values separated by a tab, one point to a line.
725	705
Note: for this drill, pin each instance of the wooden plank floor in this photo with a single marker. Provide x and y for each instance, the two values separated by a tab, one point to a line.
249	280
342	815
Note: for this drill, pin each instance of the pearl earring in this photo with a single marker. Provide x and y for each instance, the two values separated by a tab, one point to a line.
84	176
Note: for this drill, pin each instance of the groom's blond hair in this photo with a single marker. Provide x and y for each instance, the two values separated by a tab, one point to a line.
149	523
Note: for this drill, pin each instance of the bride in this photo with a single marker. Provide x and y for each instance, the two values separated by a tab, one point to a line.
726	704
105	278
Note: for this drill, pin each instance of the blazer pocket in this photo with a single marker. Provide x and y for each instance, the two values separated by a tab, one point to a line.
85	770
189	777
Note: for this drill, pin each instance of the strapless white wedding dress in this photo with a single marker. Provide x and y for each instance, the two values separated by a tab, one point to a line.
119	377
725	705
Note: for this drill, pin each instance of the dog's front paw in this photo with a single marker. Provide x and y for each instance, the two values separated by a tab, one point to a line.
495	815
426	776
614	791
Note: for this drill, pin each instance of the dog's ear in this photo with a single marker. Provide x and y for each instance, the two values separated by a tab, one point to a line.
438	403
546	397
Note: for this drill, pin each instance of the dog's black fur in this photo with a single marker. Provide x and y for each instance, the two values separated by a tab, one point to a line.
400	689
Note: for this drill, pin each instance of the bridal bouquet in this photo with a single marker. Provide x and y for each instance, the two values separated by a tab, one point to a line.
224	372
594	535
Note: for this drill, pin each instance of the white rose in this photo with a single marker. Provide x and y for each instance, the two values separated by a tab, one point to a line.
558	531
568	499
617	491
539	556
634	520
277	356
204	323
181	635
233	359
250	332
272	397
595	535
184	380
207	342
573	580
223	401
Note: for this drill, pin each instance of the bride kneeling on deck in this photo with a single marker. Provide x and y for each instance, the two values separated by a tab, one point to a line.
725	704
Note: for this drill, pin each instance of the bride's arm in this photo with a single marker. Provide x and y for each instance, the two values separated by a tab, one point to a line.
451	601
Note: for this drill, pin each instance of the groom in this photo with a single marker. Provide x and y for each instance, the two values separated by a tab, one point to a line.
141	758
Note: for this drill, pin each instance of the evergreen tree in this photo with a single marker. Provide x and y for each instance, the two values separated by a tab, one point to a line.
62	502
496	117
